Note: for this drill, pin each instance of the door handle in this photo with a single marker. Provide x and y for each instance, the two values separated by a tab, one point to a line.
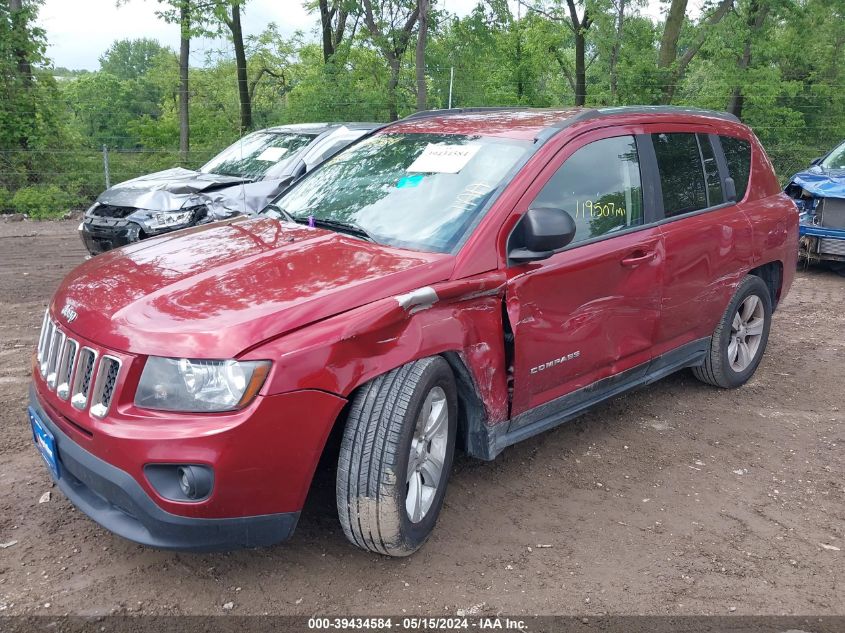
638	257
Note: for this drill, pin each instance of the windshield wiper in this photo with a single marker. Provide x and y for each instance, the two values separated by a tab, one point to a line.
344	227
335	225
284	214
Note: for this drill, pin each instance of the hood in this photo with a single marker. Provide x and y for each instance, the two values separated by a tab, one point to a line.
215	291
166	190
822	183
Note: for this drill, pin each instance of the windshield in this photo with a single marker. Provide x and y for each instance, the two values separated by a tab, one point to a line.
256	153
836	159
419	191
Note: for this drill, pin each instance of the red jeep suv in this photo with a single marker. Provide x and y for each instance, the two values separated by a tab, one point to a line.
461	278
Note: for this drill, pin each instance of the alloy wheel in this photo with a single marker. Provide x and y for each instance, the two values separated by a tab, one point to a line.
427	455
746	333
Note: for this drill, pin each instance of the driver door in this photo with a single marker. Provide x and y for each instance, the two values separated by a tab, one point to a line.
589	312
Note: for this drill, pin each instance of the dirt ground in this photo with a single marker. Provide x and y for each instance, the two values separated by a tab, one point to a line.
676	499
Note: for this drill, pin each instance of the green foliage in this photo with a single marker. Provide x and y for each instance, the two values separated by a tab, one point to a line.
44	201
5	200
132	59
54	124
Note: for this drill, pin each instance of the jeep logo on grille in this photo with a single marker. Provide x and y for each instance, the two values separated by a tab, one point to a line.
69	314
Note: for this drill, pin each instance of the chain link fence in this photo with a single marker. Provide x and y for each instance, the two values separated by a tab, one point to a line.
49	183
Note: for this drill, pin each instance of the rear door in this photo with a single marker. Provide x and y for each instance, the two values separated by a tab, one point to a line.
590	311
707	237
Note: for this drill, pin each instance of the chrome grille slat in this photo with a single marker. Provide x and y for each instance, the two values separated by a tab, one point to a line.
82	379
104	385
45	352
65	369
56	350
42	336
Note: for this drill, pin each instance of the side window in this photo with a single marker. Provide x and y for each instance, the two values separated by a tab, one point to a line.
711	172
681	173
599	186
738	157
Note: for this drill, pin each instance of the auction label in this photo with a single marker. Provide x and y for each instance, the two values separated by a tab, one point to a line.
417	623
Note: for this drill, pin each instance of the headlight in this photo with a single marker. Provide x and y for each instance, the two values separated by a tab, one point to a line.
181	384
169	219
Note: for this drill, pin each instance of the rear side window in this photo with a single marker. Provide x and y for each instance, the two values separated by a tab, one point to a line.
738	156
681	173
599	186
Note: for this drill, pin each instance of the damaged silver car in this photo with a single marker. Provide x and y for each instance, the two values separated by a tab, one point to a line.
241	179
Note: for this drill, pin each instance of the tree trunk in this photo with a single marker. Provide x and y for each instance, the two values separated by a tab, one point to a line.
19	24
326	16
674	69
422	36
614	52
671	33
579	29
392	107
580	69
184	55
240	61
756	18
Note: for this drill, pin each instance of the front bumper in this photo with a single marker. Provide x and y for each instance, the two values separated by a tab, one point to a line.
115	500
101	238
821	243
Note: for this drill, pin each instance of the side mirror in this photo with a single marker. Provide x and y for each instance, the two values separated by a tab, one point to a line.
816	161
730	190
539	233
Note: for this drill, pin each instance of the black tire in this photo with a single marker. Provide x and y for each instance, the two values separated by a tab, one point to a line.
717	369
372	471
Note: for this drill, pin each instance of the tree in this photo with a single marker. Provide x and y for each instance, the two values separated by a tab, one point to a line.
29	103
131	59
755	18
334	15
231	17
390	28
672	66
423	7
189	16
619	6
579	25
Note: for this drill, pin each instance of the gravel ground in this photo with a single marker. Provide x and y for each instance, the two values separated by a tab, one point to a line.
676	499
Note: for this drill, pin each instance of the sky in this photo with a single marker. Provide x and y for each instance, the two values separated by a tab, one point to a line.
77	37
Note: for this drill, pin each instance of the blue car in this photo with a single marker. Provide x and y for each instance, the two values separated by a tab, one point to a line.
819	194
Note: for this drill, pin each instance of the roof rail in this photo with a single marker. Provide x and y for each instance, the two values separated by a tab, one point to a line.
586	113
663	109
424	114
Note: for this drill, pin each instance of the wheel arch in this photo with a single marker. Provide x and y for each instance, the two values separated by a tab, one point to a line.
772	275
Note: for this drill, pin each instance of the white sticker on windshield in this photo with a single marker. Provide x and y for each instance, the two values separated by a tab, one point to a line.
442	158
272	154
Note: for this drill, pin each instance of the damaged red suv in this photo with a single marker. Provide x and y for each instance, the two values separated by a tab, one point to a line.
458	279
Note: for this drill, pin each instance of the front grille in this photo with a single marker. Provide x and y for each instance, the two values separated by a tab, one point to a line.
831	247
832	213
110	211
71	370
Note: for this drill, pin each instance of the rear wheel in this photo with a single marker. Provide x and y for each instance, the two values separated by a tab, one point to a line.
395	457
838	267
739	340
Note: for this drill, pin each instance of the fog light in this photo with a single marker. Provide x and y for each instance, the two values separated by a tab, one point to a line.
187	482
181	482
194	481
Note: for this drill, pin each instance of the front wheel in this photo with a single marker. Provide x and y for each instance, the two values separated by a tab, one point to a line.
739	340
395	457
